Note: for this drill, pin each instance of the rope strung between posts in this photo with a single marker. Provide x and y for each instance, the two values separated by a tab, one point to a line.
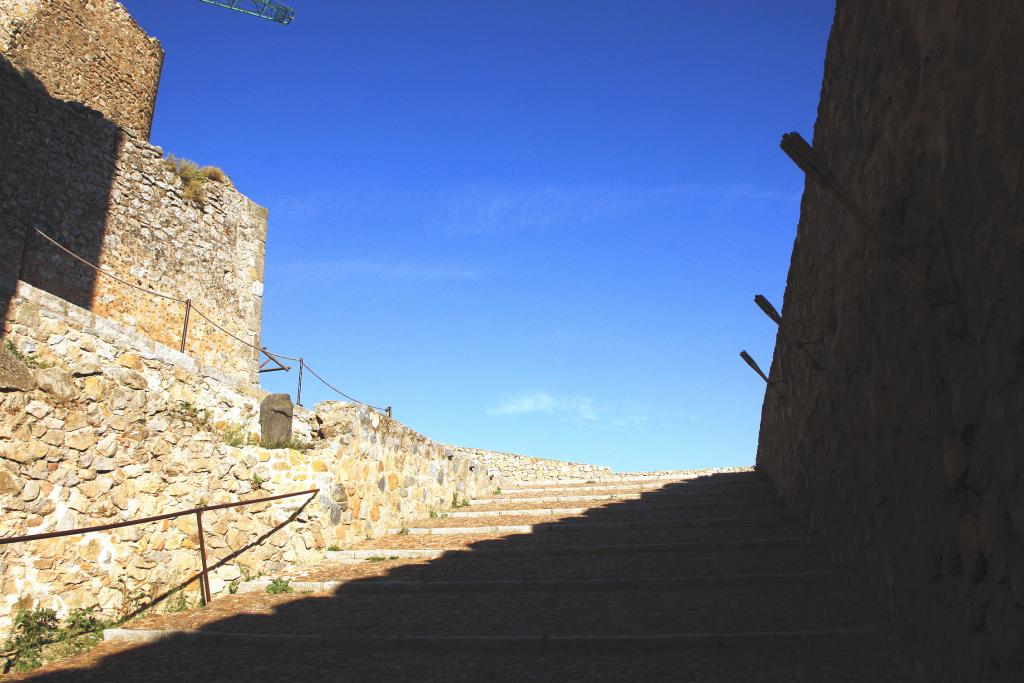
238	339
339	391
205	317
101	270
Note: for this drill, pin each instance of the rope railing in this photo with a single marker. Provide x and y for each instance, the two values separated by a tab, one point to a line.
191	308
101	270
303	363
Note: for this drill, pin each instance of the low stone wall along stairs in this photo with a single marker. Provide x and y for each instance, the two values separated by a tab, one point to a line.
667	577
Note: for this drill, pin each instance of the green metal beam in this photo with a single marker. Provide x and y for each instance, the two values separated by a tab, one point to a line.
257	8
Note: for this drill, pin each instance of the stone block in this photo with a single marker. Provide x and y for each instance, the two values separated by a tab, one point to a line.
276	419
80	440
58	383
8	484
37	409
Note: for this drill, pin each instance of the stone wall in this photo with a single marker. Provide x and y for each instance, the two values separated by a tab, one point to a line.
111	198
905	450
507	468
88	51
391	474
122	427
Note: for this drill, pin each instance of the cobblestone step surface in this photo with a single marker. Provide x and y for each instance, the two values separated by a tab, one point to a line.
697	476
621	511
589	535
504	546
655	497
608	504
777	658
691	581
600	487
814	603
436	585
573	524
593	562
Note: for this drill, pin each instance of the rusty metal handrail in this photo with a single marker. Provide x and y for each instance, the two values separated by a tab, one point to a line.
198	511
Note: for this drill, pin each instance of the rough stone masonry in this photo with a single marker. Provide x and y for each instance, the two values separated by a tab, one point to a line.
905	450
102	419
78	82
115	426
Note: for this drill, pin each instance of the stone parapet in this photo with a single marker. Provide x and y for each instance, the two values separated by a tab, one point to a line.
507	468
121	427
87	51
78	83
113	200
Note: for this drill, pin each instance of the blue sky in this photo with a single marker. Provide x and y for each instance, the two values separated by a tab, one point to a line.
528	226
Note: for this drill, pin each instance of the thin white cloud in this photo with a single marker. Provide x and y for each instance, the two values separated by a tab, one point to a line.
630	415
328	272
581	407
574	408
508	210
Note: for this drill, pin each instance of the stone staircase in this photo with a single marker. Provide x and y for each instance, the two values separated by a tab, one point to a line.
706	579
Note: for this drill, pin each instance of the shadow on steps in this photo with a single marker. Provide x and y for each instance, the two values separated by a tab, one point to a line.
729	589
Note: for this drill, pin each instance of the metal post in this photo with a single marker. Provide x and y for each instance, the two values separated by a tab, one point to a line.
184	329
389	412
769	310
298	393
753	365
205	586
29	234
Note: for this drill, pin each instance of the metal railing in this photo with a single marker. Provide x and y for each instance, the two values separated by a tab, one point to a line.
197	511
189	310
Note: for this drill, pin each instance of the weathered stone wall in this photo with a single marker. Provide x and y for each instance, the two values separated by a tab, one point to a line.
111	198
211	253
88	51
905	451
391	474
122	427
506	468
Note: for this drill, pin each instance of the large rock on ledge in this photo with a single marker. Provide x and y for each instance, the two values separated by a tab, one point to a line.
276	419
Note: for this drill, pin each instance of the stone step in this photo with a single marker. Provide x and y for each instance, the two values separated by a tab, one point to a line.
686	607
793	657
389	586
526	512
593	562
605	506
636	510
647	496
560	550
404	553
577	524
502	500
757	639
586	536
600	489
695	475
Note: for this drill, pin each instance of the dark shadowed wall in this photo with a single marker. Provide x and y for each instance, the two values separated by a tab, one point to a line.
77	84
57	166
87	51
905	451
